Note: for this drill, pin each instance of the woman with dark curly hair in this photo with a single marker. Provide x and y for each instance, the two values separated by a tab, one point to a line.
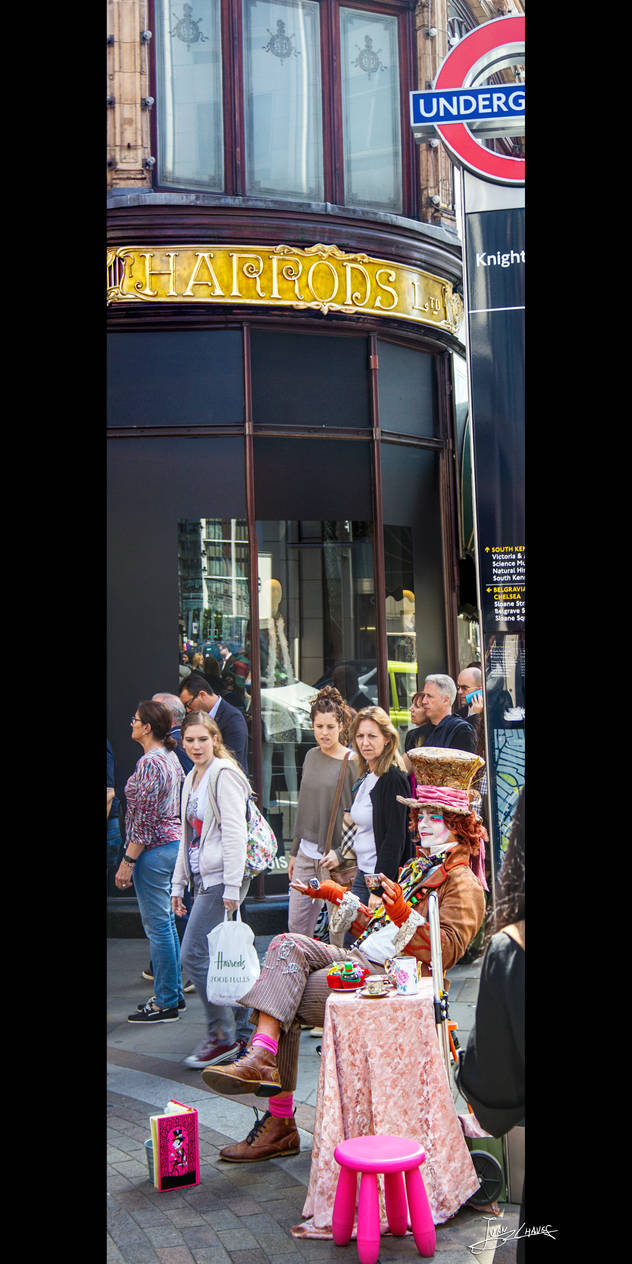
322	768
491	1073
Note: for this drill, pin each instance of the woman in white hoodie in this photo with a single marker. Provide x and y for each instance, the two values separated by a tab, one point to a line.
211	860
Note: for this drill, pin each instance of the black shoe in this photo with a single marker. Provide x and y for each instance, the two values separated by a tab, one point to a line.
181	1004
148	973
152	1014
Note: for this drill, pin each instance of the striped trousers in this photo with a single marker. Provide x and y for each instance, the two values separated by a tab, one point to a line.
292	987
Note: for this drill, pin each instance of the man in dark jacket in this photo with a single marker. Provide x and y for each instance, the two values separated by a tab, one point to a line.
197	694
441	727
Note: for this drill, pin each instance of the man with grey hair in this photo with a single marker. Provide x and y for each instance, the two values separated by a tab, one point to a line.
469	696
441	728
176	707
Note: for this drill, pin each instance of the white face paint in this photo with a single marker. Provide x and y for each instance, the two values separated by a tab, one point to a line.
434	835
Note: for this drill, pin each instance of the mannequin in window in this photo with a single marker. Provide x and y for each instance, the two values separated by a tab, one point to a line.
276	671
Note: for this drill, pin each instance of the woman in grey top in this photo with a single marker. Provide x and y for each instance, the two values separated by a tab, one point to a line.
330	719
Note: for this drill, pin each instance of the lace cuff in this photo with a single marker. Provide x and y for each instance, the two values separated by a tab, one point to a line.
343	915
406	932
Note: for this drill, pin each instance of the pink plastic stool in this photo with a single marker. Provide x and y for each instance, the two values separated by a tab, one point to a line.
392	1156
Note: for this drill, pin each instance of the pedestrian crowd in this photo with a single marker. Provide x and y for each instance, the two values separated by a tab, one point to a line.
375	831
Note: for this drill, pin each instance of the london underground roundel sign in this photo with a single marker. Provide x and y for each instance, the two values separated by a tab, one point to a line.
486	48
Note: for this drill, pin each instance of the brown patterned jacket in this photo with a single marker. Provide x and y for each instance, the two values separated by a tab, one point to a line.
461	902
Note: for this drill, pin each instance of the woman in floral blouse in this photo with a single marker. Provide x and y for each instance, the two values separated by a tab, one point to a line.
152	837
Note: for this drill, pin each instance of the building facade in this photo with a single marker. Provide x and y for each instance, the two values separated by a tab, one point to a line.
289	478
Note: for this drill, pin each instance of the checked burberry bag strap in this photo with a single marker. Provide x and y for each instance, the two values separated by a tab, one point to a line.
345	872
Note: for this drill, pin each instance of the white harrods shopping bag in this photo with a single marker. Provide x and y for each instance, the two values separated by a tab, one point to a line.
233	961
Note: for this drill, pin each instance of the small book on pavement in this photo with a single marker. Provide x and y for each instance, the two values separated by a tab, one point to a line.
176	1147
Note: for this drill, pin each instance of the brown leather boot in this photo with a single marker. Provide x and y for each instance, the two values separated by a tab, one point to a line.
256	1072
271	1138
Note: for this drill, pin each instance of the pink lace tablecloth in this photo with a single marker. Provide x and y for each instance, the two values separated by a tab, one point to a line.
382	1072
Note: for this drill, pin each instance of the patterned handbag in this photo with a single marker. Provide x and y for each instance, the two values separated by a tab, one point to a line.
261	843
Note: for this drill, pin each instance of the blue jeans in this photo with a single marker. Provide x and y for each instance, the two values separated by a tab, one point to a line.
231	1022
152	884
114	840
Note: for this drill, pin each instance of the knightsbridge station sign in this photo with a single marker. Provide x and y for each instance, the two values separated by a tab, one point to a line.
320	277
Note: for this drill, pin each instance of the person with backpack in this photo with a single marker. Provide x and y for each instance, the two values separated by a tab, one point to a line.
211	860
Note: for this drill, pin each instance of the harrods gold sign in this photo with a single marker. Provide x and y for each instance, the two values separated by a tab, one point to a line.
319	277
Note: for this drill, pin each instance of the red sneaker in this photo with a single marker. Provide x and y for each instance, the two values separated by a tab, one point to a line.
211	1051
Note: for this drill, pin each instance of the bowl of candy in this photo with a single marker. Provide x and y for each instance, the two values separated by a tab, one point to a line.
347	976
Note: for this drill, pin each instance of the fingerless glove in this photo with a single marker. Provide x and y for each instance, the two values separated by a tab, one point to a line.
399	911
327	891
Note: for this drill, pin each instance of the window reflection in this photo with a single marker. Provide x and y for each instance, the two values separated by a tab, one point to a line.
214	605
401	633
317	626
283	98
189	94
371	109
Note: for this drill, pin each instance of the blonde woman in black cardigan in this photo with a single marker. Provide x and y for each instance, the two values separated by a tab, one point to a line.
382	842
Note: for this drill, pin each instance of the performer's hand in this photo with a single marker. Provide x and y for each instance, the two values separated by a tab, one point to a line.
302	887
324	891
375	901
396	906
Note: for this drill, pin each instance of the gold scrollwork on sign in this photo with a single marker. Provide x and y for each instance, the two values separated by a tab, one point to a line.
320	277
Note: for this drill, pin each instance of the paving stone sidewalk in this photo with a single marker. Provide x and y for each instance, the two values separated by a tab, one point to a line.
239	1214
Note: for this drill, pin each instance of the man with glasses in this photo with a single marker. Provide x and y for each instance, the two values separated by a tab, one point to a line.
470	685
197	694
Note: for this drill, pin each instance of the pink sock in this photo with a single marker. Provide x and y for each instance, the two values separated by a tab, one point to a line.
268	1042
282	1107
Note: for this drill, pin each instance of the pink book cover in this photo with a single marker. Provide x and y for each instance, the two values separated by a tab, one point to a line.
177	1162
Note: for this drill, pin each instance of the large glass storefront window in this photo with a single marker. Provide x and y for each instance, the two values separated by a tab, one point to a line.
371	109
214	603
189	95
401	635
317	627
283	98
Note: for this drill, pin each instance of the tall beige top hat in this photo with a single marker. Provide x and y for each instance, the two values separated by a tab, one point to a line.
444	777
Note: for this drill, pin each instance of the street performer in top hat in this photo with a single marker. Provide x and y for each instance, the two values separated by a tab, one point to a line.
292	987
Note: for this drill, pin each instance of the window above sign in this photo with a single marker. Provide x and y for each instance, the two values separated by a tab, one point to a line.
301	100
